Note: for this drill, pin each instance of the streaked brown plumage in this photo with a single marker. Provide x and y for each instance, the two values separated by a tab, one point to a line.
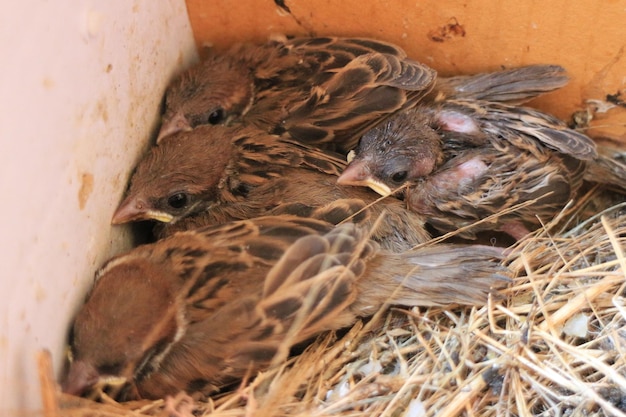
201	309
215	174
467	159
512	85
327	91
315	90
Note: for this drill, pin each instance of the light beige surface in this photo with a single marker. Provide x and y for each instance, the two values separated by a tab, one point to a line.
80	87
588	37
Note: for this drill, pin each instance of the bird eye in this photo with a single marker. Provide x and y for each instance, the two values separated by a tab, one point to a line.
216	117
399	176
177	201
111	369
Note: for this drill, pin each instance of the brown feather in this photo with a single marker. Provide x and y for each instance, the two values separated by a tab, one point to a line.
465	160
512	86
233	173
200	309
323	91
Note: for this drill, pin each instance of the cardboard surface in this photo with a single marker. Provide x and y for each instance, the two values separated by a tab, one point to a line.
587	37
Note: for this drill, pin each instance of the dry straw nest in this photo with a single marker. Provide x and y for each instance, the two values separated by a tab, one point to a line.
554	346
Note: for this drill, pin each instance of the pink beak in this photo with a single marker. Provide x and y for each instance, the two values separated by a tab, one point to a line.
130	210
81	377
171	125
358	174
135	209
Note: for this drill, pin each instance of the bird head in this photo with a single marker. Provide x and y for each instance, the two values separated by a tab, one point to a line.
178	177
216	91
397	152
119	336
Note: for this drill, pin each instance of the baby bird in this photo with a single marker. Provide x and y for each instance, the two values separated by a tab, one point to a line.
463	160
215	174
327	91
201	309
315	90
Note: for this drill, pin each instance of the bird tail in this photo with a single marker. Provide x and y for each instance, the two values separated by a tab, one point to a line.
324	282
514	86
608	168
437	275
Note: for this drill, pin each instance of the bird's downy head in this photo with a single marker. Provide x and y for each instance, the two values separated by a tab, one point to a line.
217	91
179	177
398	151
120	336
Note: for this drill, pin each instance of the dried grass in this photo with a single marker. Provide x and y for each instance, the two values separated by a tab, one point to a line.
555	346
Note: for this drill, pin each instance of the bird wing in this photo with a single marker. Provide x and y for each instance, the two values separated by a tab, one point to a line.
345	102
522	126
306	291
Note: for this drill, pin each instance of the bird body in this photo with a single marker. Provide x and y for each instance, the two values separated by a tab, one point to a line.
322	91
327	91
201	309
319	93
464	160
215	174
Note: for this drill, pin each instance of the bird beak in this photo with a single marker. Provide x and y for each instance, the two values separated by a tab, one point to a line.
83	376
357	174
134	209
80	378
177	123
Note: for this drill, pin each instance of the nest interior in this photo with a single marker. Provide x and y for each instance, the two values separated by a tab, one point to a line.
553	346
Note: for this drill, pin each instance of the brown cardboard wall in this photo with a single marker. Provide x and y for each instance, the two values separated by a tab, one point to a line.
588	37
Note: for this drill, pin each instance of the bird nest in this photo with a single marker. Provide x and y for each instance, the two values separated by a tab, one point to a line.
554	345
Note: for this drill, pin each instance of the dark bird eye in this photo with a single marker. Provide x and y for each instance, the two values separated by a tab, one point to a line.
399	176
178	200
111	368
216	117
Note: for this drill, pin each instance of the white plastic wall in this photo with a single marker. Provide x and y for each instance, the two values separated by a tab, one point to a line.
80	87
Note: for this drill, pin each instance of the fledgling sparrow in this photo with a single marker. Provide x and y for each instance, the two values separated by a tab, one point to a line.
328	90
214	174
201	309
314	90
463	160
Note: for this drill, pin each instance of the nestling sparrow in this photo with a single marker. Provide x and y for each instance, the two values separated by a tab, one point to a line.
327	90
315	90
466	159
201	309
214	174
